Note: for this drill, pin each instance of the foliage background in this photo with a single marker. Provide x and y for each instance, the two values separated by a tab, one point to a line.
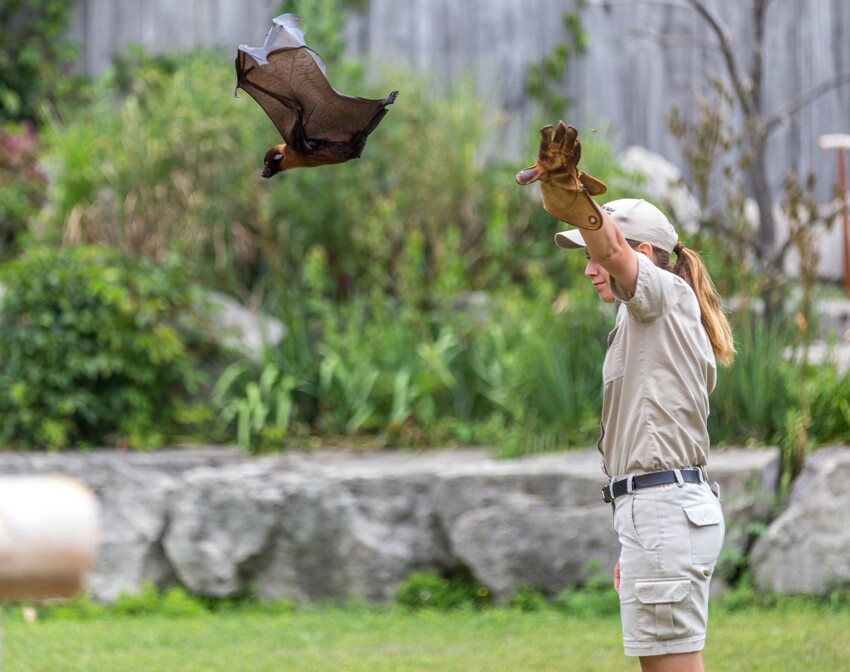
423	299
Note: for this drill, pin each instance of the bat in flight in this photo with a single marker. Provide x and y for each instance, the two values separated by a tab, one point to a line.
320	126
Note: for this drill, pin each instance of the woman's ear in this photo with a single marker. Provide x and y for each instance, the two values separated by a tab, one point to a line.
647	249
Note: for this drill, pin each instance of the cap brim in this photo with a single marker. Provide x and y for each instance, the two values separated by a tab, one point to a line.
569	240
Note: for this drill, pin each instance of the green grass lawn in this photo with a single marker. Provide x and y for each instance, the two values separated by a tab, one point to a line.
361	640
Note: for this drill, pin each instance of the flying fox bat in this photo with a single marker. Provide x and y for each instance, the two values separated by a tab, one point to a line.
320	125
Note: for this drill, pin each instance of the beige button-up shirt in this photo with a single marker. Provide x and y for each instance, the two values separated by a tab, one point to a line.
658	373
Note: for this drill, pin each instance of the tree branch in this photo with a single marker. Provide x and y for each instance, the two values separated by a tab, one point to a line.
804	99
724	37
759	10
671	40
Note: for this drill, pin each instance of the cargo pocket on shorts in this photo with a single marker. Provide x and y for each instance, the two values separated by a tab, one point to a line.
664	606
707	530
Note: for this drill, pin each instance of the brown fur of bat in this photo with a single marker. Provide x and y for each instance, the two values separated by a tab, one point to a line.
283	157
321	152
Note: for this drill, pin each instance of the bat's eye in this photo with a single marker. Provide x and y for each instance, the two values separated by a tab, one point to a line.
278	157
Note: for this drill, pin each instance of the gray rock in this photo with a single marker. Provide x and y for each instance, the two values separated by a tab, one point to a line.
241	328
749	482
807	548
220	522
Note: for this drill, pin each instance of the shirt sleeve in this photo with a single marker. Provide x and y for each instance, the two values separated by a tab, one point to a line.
657	291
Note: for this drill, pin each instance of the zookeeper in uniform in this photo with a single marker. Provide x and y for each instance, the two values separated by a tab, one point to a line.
658	372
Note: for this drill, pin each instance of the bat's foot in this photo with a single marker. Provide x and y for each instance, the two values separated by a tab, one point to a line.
358	142
391	98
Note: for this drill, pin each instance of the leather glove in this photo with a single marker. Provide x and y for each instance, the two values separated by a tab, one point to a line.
566	190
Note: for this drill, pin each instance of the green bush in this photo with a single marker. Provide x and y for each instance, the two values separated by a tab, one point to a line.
36	57
528	599
174	603
595	597
22	184
430	590
97	349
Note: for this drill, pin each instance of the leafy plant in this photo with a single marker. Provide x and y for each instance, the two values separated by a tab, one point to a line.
36	57
262	409
594	598
174	603
544	81
96	348
430	590
22	184
528	599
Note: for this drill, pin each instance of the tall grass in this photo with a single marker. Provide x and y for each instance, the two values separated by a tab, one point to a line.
753	395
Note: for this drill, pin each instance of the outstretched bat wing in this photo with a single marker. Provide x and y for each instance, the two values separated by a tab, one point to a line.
289	83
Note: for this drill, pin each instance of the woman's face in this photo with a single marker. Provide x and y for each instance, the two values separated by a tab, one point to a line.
600	279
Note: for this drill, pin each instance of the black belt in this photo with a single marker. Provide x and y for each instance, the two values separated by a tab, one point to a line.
653	478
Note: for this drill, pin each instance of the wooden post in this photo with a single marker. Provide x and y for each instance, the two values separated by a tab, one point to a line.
842	185
840	142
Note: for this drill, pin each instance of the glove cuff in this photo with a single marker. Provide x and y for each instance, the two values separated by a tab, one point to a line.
566	198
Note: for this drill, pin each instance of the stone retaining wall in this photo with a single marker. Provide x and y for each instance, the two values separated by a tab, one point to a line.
339	525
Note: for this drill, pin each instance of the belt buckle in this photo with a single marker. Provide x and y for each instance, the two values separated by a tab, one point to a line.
607	495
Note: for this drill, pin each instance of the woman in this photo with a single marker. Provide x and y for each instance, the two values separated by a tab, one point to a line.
658	373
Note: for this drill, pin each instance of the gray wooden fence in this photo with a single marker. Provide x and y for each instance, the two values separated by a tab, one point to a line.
626	82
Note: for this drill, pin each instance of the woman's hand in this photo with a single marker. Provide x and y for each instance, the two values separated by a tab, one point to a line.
617	577
565	189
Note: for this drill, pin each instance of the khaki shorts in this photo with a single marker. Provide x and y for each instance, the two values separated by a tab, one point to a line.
671	536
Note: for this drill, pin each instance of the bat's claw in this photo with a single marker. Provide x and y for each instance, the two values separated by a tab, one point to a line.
391	98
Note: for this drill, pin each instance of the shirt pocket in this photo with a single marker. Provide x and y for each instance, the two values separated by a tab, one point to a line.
612	367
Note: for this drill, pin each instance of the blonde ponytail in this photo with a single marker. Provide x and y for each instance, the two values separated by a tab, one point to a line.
691	269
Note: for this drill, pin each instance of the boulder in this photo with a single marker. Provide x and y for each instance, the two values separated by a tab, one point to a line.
807	548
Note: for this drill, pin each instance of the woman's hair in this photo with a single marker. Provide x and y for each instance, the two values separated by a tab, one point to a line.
691	269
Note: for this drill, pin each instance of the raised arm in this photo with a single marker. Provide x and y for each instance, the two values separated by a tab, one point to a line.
608	247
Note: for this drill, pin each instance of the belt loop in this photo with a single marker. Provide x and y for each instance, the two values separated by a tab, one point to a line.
630	484
679	480
703	470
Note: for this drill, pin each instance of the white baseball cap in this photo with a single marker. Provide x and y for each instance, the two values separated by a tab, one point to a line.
638	220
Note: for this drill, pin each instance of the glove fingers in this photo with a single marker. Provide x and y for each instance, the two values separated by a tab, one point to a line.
560	136
545	138
572	145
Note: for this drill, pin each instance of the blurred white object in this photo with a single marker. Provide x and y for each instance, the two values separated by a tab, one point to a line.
48	535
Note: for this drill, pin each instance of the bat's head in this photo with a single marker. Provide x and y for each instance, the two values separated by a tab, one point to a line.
273	163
